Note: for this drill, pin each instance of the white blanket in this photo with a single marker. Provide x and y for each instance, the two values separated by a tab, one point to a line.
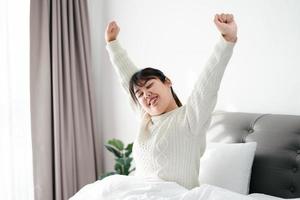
119	187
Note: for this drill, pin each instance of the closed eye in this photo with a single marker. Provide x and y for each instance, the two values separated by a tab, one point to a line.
140	94
149	86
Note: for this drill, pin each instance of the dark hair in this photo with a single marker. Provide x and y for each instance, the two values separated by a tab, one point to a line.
142	76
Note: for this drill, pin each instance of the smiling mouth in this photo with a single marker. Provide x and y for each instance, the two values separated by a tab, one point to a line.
153	101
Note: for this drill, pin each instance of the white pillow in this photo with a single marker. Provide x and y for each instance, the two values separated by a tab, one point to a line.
227	166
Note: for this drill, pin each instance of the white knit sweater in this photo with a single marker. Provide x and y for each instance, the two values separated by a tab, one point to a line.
170	145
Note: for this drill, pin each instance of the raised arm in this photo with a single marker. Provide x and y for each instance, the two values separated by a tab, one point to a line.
123	65
203	99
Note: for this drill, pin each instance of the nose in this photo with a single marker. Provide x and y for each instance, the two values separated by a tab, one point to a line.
148	94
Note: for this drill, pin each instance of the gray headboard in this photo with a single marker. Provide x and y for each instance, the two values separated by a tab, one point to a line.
276	166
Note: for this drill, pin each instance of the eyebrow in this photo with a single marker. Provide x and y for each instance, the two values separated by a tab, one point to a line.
144	85
137	91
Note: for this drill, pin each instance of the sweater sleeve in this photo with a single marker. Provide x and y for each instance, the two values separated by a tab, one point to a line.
124	67
203	98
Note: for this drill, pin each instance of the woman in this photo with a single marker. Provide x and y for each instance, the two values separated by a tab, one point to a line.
171	139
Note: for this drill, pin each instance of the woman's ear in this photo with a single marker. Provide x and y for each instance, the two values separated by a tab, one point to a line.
168	82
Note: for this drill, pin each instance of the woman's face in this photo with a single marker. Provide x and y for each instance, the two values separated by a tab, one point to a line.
154	96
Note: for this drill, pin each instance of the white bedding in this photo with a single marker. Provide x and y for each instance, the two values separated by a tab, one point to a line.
119	187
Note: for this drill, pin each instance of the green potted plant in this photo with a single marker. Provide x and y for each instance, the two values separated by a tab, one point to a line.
122	157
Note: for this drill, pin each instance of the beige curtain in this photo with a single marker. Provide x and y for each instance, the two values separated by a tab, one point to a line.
66	145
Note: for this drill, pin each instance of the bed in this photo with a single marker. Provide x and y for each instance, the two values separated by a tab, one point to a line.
276	164
273	173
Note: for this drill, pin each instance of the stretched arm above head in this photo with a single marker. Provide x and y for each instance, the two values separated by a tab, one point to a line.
123	65
203	99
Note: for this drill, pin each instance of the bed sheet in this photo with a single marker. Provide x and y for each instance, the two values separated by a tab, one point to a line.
119	187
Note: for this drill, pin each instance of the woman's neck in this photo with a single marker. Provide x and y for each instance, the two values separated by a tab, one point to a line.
171	106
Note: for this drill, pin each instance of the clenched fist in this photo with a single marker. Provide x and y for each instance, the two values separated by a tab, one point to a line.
227	26
112	31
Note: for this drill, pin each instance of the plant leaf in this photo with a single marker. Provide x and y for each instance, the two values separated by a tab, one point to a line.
128	161
121	161
123	164
118	168
128	149
116	152
117	144
126	169
129	146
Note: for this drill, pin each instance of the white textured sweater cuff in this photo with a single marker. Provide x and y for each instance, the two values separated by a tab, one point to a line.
113	47
226	44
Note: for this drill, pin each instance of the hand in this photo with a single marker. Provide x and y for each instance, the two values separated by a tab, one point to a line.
112	31
227	26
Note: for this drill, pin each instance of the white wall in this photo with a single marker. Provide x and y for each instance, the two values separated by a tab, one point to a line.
178	36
